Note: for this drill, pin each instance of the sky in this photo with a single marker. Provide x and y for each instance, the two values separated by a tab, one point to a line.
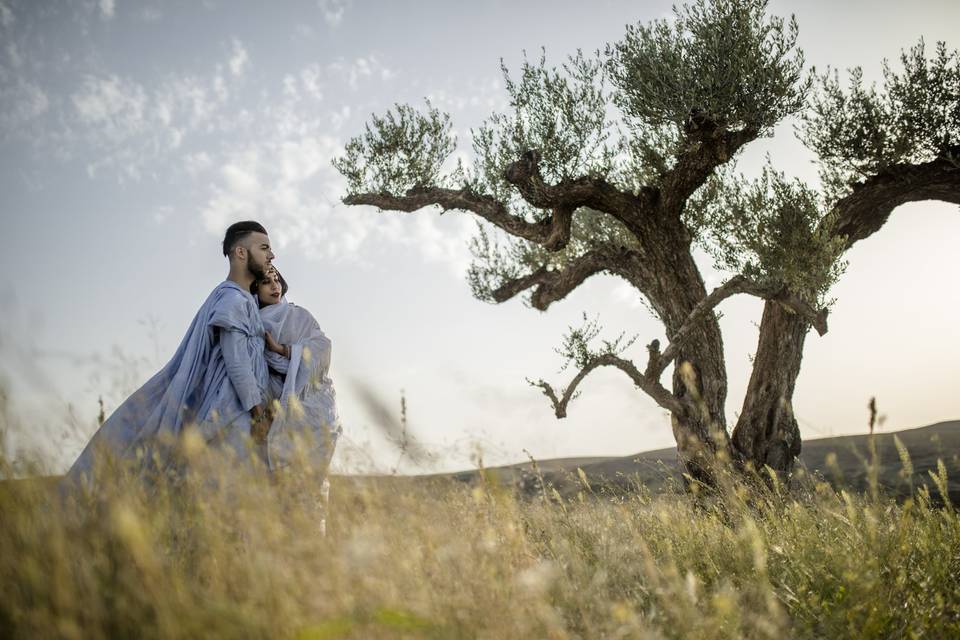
133	133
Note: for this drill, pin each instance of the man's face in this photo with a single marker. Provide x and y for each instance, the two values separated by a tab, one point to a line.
259	254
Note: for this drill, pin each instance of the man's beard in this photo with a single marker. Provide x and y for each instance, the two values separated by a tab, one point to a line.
256	269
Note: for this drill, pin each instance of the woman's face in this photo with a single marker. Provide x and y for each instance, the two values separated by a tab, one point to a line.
269	289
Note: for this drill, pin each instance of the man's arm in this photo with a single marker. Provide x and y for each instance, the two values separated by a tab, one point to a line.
239	366
233	343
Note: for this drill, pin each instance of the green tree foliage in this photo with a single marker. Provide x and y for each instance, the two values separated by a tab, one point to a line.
723	64
399	151
625	115
770	230
863	131
560	112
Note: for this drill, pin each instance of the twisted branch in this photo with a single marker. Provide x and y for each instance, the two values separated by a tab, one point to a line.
570	193
737	284
561	199
552	233
705	150
555	285
866	209
650	386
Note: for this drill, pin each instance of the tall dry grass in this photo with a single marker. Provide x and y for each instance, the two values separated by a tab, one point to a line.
406	558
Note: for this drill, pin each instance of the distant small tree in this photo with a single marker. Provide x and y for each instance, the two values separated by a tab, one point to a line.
619	163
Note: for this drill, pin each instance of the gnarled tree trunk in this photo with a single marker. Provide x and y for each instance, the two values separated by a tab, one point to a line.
699	373
766	433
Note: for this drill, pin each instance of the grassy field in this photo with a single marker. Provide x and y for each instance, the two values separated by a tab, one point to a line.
438	558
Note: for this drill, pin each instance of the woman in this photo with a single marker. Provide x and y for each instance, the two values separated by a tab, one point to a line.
306	425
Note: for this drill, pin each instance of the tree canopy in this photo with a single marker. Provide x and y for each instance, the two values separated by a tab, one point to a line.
621	161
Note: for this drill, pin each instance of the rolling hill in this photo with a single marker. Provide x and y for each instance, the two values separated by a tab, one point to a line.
660	469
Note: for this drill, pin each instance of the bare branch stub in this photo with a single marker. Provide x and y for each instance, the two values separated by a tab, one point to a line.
795	304
817	318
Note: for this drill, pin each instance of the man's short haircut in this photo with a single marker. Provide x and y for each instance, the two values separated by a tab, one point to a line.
238	231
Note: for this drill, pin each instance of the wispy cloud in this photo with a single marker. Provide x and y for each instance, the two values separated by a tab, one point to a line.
478	93
107	8
283	176
364	67
197	163
22	102
442	241
115	107
241	178
193	101
289	184
238	143
131	126
333	10
239	59
150	14
6	15
13	55
308	82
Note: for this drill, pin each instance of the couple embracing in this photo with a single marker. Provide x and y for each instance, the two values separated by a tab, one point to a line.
249	378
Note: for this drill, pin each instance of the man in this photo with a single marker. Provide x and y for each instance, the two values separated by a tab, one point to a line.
215	381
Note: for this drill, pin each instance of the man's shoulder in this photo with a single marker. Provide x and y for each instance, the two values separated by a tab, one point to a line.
231	293
230	305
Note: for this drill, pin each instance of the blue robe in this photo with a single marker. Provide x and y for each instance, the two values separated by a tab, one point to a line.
216	376
307	425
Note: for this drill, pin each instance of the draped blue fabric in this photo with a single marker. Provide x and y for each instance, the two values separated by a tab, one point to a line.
216	375
307	424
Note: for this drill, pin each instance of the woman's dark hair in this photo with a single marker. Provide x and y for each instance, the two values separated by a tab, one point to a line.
255	285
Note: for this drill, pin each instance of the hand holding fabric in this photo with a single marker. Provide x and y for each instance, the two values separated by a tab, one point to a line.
260	424
273	345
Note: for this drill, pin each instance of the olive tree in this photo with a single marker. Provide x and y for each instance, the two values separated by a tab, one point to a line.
620	162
